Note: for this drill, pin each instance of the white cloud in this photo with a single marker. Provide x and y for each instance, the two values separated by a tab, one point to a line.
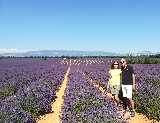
8	51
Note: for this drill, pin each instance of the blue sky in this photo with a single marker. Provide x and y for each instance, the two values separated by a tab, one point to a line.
105	25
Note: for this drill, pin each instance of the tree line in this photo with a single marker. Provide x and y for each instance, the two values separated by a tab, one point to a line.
142	59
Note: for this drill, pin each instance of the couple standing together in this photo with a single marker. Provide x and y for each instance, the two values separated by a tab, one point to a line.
122	80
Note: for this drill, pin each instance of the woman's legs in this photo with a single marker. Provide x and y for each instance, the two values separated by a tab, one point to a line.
116	99
115	92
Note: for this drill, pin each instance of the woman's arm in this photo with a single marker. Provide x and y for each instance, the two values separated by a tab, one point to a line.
109	74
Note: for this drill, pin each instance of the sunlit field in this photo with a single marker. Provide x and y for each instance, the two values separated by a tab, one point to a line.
28	89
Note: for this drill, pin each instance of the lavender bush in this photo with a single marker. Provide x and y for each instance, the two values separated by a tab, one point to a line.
27	87
147	96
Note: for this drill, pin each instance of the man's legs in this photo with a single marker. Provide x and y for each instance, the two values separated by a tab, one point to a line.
131	104
131	107
127	92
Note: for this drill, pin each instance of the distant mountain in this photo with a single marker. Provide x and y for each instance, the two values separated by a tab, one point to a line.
146	53
61	53
71	53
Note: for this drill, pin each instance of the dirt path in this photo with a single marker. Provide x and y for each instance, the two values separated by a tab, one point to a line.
139	118
56	106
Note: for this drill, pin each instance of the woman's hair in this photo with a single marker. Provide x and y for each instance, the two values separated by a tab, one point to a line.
112	65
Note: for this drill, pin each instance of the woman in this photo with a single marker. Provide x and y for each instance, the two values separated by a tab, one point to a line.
115	80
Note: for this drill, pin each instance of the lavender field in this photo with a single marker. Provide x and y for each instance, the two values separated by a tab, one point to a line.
28	87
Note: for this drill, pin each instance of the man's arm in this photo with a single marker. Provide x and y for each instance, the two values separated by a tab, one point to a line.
134	81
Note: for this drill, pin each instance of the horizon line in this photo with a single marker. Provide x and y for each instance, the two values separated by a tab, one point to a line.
14	50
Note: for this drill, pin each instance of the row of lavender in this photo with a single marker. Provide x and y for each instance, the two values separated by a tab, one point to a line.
84	103
147	95
27	87
97	71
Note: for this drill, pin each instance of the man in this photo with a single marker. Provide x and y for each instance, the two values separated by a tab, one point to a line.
128	85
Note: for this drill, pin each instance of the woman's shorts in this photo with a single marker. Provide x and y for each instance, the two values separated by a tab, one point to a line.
127	91
115	89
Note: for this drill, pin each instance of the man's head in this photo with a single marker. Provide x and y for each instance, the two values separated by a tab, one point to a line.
123	62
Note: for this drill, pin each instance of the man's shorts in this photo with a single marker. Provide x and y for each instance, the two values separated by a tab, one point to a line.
115	89
127	91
